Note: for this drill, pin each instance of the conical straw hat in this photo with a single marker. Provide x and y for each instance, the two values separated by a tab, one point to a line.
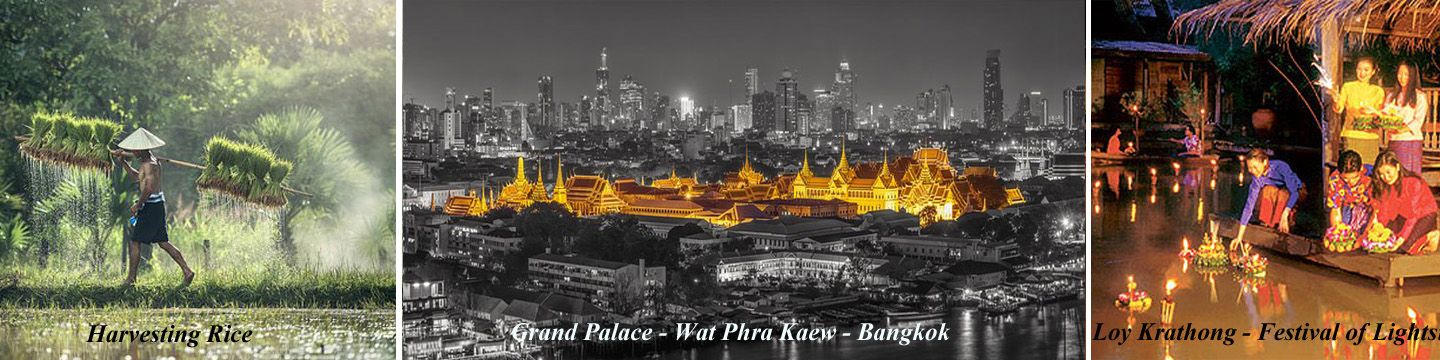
141	139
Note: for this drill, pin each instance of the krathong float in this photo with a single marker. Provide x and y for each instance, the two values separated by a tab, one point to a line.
1133	299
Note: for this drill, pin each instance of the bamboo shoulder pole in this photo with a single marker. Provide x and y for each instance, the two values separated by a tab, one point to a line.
182	163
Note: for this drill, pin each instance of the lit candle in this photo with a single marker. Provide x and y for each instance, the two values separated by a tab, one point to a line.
1185	252
1176	166
1413	346
1152	175
1167	304
1175	188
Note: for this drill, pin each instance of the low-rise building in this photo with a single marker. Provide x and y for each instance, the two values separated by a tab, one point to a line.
603	282
779	233
800	265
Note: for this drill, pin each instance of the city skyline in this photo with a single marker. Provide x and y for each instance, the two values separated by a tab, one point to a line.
712	71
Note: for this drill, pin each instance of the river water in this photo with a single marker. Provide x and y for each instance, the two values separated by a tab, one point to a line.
1138	232
1033	332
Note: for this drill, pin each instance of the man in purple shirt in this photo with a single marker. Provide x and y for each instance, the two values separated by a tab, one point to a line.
1272	183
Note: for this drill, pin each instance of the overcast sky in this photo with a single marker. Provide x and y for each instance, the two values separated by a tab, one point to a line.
692	48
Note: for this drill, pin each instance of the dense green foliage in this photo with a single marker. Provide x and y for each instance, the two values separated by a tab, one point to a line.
245	171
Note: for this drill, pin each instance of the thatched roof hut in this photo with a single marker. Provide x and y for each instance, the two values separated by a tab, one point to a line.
1409	25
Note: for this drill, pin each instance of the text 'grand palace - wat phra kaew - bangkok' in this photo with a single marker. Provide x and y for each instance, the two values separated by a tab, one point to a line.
924	184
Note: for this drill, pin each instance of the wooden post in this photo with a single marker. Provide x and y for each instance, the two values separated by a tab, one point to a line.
1330	46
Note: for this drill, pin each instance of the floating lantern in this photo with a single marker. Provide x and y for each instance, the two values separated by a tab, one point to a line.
1211	253
1133	299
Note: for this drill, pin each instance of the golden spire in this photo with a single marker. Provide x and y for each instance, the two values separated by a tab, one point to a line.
805	167
559	174
747	159
520	169
844	160
672	172
539	175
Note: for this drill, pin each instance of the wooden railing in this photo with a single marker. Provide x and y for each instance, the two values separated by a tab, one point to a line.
1431	129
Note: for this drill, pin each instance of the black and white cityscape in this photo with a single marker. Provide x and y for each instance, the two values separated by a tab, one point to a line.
847	164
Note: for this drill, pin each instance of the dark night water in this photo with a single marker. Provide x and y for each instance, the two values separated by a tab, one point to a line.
1033	332
1135	235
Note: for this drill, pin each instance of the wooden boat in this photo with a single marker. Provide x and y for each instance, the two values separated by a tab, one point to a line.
1100	158
1389	269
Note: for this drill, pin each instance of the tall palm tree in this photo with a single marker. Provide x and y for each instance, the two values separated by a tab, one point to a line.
325	166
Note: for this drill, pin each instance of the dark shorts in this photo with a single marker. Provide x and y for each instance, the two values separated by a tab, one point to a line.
150	224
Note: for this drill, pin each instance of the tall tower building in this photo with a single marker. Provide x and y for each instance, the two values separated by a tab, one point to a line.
450	99
994	95
824	104
545	100
743	119
1075	107
787	102
660	112
944	107
844	87
587	112
687	110
632	103
487	100
763	113
752	85
602	90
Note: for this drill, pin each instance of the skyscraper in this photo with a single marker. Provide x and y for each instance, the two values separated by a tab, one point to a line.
1075	107
752	85
994	95
545	100
803	112
487	101
660	112
687	111
587	113
743	118
602	91
787	102
844	87
632	103
824	104
763	113
944	107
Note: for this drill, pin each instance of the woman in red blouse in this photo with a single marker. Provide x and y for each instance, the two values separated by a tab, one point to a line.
1403	204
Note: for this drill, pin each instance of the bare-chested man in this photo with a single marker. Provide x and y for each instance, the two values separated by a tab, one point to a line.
149	209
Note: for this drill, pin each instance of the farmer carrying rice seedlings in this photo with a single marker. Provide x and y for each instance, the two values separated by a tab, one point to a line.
149	209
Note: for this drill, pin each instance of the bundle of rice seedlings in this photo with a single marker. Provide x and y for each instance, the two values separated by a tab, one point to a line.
243	171
70	141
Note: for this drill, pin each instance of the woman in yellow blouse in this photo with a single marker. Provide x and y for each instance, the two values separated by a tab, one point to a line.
1356	98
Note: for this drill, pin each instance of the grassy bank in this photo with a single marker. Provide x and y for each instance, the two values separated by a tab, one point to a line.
278	287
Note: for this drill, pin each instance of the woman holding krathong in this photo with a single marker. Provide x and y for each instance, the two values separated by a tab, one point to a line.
1407	103
1404	209
1349	202
1355	99
1274	190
